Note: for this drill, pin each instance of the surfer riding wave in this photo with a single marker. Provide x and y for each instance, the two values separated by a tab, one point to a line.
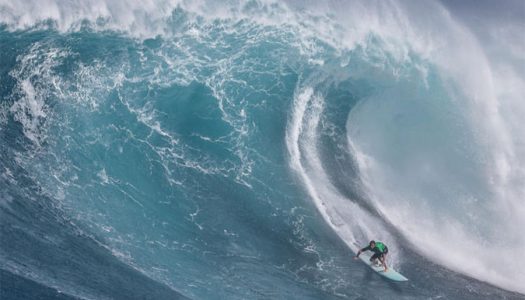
380	251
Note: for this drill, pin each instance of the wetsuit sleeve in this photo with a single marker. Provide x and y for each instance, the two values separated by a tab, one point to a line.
366	249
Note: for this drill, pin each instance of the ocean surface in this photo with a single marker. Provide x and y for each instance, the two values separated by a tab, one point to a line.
246	149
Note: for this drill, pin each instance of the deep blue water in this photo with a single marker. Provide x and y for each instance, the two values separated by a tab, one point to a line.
239	151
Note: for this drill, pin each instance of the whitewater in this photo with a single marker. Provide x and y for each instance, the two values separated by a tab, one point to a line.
172	149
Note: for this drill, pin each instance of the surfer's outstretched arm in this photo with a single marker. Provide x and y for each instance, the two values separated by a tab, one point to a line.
361	251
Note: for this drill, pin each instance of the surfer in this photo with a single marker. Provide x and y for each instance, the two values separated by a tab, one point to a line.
380	251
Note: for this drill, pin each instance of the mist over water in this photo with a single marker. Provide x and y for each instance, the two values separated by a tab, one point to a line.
247	149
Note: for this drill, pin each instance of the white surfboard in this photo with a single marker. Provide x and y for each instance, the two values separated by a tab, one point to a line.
390	273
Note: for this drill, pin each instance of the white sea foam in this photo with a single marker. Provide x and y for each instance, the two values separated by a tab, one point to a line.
30	108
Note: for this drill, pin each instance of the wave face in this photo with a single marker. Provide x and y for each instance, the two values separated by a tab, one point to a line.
244	149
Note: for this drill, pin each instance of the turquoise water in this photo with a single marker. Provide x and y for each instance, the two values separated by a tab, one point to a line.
239	151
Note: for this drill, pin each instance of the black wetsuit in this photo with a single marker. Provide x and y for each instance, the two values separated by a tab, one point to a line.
377	251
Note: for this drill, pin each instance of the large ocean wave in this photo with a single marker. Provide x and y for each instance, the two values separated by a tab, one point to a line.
246	149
